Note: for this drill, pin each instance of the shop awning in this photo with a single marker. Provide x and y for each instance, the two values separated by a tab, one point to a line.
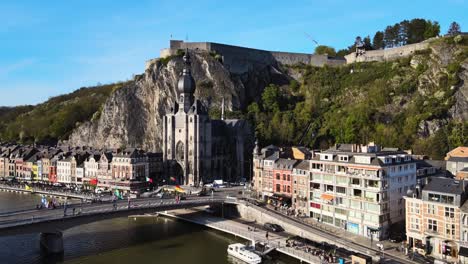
327	197
463	251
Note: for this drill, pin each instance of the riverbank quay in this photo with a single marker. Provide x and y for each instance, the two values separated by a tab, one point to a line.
242	230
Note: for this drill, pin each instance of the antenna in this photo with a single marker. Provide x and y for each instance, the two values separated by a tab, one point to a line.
186	37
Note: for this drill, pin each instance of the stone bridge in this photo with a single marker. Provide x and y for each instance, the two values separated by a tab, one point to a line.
48	220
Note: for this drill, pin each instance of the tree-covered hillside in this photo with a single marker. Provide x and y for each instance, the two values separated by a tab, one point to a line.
390	103
54	119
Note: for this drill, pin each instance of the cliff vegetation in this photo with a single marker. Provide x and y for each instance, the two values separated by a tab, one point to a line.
419	102
54	119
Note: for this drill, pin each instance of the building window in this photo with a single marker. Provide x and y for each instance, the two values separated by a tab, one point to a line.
431	209
450	229
278	188
278	177
449	212
414	223
289	189
432	225
315	186
341	190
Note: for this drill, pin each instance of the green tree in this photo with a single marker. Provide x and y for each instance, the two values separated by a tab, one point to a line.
378	40
322	49
367	43
271	98
454	29
432	29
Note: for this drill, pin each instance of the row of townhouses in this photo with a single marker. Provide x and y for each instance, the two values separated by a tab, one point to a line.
372	191
358	188
126	170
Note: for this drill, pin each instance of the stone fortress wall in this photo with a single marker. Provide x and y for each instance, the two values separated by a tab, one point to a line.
387	54
239	59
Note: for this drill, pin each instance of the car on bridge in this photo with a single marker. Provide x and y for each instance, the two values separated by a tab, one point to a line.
273	227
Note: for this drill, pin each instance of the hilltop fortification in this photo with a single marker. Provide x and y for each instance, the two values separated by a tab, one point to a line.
240	59
387	54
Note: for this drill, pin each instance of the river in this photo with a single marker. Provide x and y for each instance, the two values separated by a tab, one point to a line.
122	240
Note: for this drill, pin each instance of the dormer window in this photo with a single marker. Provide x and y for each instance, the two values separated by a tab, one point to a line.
343	158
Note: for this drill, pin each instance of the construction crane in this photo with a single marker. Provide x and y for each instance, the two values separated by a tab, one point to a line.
310	37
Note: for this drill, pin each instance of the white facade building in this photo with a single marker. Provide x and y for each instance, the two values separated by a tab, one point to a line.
361	188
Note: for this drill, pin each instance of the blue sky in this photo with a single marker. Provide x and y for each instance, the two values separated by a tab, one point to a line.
49	48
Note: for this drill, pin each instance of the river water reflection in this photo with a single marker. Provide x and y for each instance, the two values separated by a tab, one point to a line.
122	240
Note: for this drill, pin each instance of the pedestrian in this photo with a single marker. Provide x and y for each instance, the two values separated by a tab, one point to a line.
73	210
266	235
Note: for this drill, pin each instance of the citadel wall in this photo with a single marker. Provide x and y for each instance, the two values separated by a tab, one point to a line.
240	59
387	54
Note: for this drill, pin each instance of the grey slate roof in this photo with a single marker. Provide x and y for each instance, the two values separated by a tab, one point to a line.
286	164
302	165
445	185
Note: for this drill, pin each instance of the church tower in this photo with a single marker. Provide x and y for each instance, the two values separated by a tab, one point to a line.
187	135
186	86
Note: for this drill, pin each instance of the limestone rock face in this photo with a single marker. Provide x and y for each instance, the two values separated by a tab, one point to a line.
459	110
132	116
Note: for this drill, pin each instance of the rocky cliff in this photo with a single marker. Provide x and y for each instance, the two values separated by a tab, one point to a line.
132	115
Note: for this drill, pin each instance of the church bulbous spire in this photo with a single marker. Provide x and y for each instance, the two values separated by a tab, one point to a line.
186	84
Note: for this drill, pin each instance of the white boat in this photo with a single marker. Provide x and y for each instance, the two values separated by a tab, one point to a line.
243	253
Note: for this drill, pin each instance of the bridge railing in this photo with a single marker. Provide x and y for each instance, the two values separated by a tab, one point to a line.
43	215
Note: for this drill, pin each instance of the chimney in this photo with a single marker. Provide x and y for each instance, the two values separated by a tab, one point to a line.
418	189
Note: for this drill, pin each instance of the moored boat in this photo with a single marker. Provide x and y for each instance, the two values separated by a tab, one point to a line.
243	253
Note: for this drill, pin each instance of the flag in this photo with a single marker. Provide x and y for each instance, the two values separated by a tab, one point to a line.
149	180
118	194
173	179
179	189
93	182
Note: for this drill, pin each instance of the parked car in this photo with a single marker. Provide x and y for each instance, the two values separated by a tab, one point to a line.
273	227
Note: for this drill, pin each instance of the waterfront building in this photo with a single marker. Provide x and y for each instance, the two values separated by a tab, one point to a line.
267	189
91	168
197	149
4	160
360	188
155	166
65	168
300	187
457	160
433	217
282	180
105	170
45	162
130	168
53	168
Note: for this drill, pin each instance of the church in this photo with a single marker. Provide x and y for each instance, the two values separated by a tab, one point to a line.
197	149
